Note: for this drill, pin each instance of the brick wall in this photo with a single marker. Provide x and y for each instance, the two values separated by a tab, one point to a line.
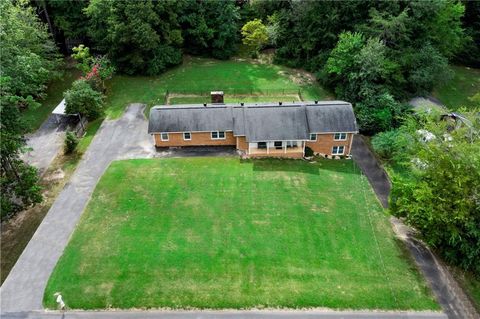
198	139
242	143
325	142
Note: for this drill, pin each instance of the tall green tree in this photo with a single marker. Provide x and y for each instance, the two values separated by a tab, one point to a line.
255	35
210	27
28	62
470	53
141	37
441	195
29	57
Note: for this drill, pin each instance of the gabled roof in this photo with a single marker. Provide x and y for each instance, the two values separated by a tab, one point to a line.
270	123
257	122
190	118
330	118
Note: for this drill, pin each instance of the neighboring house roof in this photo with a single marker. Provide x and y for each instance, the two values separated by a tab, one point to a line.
257	122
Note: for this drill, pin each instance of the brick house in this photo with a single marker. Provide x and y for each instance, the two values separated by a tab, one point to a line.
258	130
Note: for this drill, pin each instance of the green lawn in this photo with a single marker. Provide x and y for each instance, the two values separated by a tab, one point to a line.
226	233
35	117
198	76
464	85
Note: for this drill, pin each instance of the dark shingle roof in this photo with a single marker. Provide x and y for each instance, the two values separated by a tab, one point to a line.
331	118
275	123
257	122
190	118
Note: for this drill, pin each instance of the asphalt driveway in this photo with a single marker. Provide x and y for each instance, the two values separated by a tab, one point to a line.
449	295
123	138
45	143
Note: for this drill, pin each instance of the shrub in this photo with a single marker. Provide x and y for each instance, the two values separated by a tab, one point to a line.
308	151
71	142
83	99
384	144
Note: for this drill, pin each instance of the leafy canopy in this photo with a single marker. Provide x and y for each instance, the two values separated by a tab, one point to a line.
255	35
84	100
441	195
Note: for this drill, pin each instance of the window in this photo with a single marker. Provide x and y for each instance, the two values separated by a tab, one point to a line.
338	150
216	135
340	136
164	137
278	145
262	145
313	137
187	136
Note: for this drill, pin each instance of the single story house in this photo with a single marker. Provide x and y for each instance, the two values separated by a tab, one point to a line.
260	129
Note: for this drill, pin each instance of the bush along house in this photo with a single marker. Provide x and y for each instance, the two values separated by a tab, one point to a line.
258	130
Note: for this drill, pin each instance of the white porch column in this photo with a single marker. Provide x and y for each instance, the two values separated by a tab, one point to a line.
268	148
284	147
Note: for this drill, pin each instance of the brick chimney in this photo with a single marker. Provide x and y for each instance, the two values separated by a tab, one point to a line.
217	96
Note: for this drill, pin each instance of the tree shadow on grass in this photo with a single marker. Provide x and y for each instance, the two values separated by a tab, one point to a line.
282	165
346	166
313	167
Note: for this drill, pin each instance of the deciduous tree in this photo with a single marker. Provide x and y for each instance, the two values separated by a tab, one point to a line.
441	197
84	100
255	35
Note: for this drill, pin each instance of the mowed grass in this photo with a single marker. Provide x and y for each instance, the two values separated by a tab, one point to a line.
198	76
460	89
222	233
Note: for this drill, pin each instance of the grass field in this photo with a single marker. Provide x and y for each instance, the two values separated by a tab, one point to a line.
197	76
222	233
464	85
35	117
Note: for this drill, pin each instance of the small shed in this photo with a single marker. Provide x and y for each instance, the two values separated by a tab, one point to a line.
59	111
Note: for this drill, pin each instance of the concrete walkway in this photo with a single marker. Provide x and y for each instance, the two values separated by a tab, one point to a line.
45	144
232	314
449	295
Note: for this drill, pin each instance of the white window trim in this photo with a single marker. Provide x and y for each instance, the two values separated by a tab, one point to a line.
338	147
162	139
187	139
310	137
218	135
340	139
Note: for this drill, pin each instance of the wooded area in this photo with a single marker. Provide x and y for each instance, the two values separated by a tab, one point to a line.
373	54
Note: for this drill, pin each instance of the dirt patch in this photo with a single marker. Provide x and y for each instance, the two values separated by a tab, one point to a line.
299	76
55	175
